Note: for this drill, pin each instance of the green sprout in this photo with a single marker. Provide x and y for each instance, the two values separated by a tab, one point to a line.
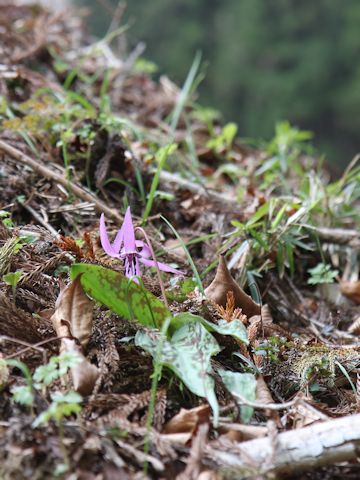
322	273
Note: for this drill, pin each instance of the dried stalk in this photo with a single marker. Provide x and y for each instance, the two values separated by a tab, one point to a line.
46	172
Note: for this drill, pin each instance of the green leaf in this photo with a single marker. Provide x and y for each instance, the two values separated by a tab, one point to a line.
278	217
62	405
260	213
23	395
322	273
69	397
188	354
12	278
161	157
121	295
243	384
46	374
234	329
56	368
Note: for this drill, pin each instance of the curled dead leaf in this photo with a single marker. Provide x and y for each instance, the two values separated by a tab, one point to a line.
83	374
73	319
186	421
223	283
351	290
76	308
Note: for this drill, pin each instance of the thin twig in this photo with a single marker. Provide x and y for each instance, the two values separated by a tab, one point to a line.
35	346
156	264
46	172
279	406
41	220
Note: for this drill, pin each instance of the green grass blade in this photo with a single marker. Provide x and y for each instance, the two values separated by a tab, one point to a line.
186	91
162	156
183	246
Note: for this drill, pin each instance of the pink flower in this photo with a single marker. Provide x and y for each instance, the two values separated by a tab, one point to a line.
131	251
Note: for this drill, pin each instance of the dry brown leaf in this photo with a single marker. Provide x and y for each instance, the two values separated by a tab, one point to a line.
76	309
223	283
266	315
175	247
302	416
83	374
177	438
351	290
355	326
73	318
263	395
186	421
237	432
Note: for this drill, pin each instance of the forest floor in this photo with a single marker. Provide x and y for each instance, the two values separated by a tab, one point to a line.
237	356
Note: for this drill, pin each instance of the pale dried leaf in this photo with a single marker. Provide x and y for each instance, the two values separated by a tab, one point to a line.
177	438
351	290
186	421
83	374
263	395
223	283
237	432
76	308
266	315
302	416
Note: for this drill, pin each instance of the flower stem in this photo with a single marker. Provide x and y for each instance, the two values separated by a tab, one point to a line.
156	264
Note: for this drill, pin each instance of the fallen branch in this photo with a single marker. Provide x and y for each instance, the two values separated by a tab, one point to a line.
46	172
320	444
340	236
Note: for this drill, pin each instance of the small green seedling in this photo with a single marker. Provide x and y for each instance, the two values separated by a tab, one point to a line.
322	273
25	394
62	404
6	220
12	279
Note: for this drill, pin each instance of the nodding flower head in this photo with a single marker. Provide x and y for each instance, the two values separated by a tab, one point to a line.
131	251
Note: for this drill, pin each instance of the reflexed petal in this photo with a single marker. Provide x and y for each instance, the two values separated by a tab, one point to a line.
108	248
162	266
129	234
142	249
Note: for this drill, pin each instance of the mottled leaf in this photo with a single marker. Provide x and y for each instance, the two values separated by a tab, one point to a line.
188	354
235	328
121	295
243	384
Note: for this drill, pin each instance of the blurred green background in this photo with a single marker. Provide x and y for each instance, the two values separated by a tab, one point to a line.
268	60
